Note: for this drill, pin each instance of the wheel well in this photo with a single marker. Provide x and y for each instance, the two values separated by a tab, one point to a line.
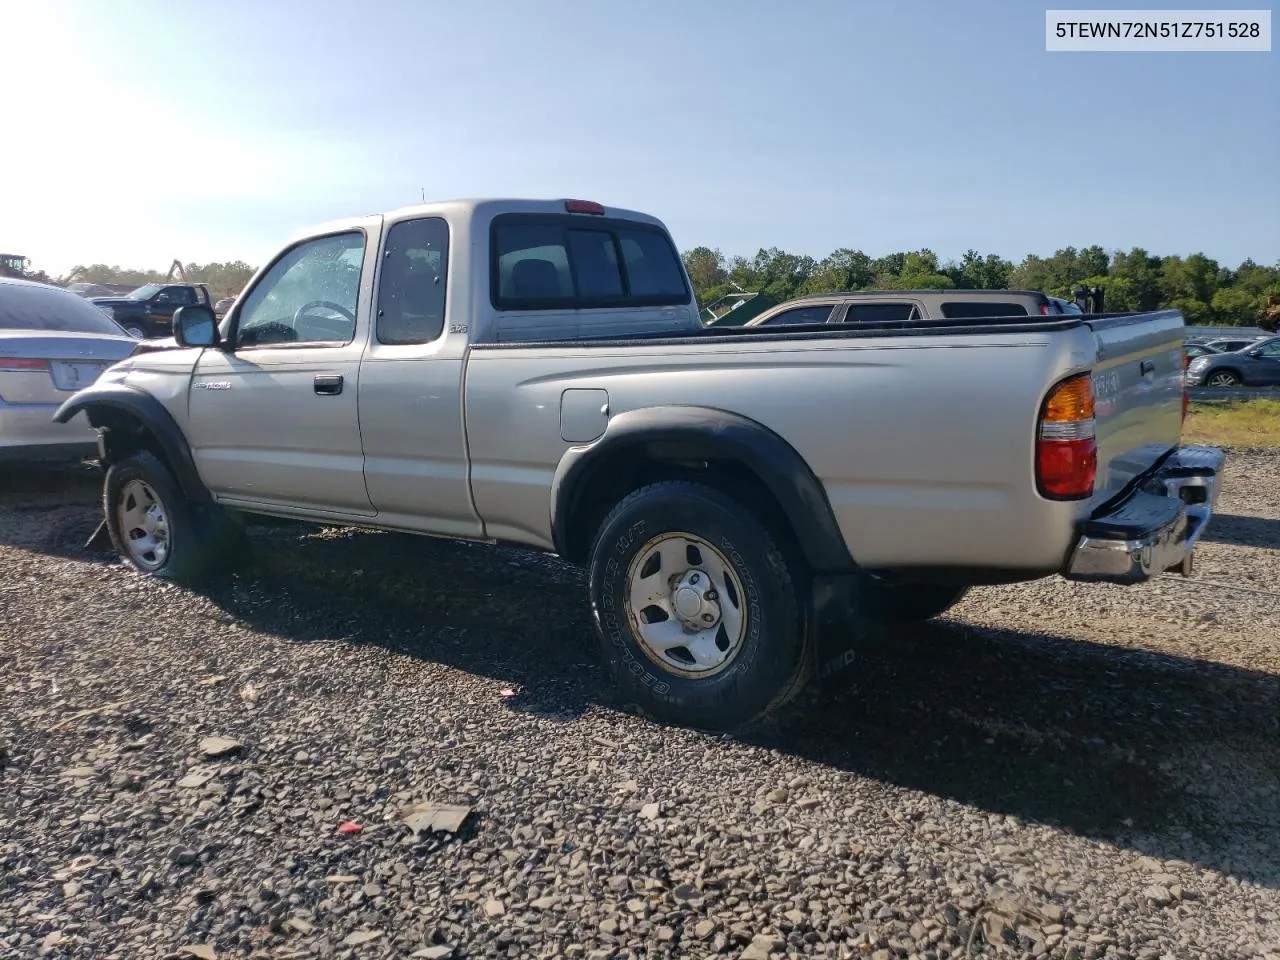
1231	370
645	462
124	434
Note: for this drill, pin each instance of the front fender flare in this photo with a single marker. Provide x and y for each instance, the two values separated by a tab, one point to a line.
147	410
715	435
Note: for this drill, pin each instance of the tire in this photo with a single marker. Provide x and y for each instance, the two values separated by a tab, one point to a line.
753	659
893	603
136	331
1223	378
157	531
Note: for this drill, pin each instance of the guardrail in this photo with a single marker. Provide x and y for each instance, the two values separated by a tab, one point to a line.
1211	394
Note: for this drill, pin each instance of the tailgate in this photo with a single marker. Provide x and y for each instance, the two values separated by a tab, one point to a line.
1137	380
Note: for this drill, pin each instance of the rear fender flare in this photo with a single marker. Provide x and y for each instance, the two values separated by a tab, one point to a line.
146	409
712	434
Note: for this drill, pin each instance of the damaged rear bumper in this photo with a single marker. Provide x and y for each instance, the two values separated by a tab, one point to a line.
1156	528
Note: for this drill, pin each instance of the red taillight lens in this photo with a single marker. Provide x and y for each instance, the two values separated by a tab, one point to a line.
10	364
1066	448
584	206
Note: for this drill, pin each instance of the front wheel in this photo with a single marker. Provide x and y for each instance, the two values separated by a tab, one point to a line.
1223	378
696	608
156	530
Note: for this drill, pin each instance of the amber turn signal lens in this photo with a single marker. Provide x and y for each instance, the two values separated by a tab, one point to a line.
1071	400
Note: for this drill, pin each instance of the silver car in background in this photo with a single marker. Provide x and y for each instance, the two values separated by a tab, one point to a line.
52	343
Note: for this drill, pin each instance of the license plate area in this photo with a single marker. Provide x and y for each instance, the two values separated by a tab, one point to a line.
69	375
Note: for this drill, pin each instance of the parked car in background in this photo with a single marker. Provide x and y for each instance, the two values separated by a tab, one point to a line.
1231	344
1065	306
536	372
222	306
87	290
1257	365
1195	349
148	311
907	306
52	343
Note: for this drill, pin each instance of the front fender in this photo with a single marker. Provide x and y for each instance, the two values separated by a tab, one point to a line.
99	401
712	434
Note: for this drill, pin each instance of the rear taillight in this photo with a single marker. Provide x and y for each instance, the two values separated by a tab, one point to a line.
584	206
1067	446
14	364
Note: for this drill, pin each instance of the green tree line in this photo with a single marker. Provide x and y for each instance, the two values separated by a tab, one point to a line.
224	279
1204	290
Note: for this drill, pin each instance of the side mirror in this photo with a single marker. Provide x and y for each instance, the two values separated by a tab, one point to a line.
1253	353
195	326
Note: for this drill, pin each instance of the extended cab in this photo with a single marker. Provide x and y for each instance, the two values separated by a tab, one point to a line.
148	311
535	372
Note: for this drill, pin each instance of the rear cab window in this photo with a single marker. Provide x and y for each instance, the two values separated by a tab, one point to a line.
34	307
574	262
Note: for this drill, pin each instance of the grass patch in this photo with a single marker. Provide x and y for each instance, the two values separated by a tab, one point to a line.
1244	423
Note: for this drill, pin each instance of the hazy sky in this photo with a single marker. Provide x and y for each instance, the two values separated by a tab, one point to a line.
138	131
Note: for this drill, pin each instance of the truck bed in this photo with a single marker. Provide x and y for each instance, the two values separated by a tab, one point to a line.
924	440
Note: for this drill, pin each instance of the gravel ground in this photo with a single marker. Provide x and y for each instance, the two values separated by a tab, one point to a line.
1056	770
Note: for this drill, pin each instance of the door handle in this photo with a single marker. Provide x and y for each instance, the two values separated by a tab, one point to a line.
328	385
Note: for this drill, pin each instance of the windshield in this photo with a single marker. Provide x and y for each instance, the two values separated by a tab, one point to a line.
146	292
34	307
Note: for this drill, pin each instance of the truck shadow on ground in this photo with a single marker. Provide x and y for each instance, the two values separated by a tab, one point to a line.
1164	755
1168	756
1243	531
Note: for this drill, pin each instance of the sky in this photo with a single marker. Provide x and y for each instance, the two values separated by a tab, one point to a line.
138	131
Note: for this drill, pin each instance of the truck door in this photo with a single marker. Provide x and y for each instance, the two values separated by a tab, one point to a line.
272	416
411	418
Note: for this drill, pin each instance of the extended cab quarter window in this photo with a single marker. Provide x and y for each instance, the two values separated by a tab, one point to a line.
308	296
895	312
982	308
800	315
574	262
411	285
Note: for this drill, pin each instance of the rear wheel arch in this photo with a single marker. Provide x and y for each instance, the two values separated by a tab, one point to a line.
730	452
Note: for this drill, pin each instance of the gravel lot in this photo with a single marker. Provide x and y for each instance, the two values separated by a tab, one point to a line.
1066	771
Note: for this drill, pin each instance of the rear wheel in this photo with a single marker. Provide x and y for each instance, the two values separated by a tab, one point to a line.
696	608
1223	378
157	531
892	602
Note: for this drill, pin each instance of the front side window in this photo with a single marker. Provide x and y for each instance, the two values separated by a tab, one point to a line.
1271	349
411	285
308	296
800	315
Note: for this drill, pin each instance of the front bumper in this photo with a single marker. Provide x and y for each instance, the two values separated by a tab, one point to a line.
1156	528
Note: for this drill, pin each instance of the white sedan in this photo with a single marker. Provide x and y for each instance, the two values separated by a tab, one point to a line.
52	343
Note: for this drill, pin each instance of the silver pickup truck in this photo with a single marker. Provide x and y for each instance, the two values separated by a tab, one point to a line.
535	372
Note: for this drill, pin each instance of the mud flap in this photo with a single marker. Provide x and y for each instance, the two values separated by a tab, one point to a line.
100	540
835	629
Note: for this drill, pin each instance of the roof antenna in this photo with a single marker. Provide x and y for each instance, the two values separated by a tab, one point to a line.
424	194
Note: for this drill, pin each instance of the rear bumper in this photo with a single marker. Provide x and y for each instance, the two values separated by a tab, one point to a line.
27	432
1156	528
